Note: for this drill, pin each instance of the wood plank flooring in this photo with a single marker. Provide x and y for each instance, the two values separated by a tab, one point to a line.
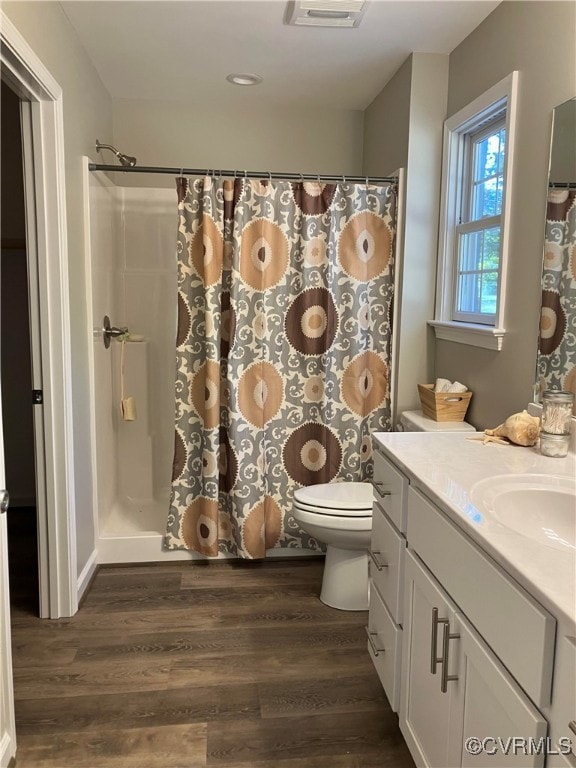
219	665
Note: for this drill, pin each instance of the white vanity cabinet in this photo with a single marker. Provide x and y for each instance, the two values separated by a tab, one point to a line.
462	649
386	568
453	687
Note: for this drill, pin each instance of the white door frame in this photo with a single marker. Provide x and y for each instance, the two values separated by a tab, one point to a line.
28	77
7	719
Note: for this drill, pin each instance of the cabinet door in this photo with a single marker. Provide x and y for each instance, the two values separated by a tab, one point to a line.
492	706
424	709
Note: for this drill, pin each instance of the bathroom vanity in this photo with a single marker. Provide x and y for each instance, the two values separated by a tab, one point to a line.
472	621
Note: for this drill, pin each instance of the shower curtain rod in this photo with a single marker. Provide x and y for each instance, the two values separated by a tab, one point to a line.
244	174
562	185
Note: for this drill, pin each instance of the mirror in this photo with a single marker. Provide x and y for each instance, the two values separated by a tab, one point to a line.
556	368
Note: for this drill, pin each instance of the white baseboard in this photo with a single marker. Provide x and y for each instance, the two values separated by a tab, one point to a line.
86	576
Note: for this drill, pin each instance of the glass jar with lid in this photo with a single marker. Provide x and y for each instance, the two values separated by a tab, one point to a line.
557	412
554	445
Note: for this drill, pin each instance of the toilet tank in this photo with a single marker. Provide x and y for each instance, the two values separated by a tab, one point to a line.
415	421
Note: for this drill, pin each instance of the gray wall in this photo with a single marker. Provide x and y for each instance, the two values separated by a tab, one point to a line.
203	136
536	38
387	123
403	128
87	116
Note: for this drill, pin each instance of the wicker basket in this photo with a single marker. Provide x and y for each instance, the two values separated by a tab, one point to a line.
443	406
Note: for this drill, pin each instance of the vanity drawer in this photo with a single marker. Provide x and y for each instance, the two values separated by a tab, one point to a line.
387	562
514	625
384	644
390	488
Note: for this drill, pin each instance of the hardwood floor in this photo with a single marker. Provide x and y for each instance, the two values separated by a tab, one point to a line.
235	665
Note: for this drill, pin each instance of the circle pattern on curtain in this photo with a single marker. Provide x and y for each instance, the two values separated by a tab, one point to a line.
283	356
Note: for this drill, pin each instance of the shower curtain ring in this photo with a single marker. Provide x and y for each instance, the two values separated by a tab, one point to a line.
245	174
235	173
269	176
366	180
301	179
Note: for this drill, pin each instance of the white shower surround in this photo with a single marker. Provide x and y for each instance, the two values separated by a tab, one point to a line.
131	271
131	275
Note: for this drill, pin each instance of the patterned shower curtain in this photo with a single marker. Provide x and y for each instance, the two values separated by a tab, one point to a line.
557	346
283	353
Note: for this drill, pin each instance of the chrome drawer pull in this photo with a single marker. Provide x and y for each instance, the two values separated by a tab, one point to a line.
378	563
434	658
446	637
572	726
375	650
378	485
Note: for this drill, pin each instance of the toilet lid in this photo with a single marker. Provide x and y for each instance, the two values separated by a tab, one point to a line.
337	496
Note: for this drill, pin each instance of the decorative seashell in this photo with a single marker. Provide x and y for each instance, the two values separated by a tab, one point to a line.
520	428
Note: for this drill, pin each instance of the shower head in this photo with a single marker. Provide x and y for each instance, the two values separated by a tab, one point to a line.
126	160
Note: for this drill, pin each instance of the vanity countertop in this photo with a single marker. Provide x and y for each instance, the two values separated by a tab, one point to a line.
446	467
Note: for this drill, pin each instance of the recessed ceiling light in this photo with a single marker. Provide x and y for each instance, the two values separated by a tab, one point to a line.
243	79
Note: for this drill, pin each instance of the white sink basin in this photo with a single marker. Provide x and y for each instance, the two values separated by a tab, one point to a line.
541	507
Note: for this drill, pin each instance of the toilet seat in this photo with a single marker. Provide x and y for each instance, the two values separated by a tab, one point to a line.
345	499
338	522
334	511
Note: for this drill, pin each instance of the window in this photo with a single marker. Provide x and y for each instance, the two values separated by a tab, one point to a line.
478	145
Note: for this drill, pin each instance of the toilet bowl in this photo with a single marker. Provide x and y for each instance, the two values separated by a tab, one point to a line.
340	516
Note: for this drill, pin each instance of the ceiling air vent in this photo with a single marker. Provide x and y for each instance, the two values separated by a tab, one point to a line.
326	13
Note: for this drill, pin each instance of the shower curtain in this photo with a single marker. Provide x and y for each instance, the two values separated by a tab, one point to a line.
283	353
557	345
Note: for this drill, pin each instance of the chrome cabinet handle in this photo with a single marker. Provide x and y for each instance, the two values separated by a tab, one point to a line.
378	485
572	726
378	563
4	501
446	637
375	650
434	658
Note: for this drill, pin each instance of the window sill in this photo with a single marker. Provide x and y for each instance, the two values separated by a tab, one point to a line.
468	333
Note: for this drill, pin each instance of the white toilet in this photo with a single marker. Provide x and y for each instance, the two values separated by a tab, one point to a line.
340	516
415	421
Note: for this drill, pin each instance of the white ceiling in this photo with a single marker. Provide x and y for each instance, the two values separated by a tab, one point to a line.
183	50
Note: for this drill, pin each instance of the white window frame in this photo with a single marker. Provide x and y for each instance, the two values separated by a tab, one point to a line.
456	128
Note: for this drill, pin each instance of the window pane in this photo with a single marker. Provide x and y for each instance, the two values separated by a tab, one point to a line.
487	180
502	152
478	266
485	200
489	155
499	193
491	249
488	293
468	293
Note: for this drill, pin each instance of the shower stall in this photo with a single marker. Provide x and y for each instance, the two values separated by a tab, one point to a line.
132	282
131	278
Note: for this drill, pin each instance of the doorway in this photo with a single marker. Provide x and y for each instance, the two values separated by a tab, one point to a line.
16	366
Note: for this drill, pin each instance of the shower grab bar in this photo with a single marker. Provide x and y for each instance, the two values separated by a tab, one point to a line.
111	331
